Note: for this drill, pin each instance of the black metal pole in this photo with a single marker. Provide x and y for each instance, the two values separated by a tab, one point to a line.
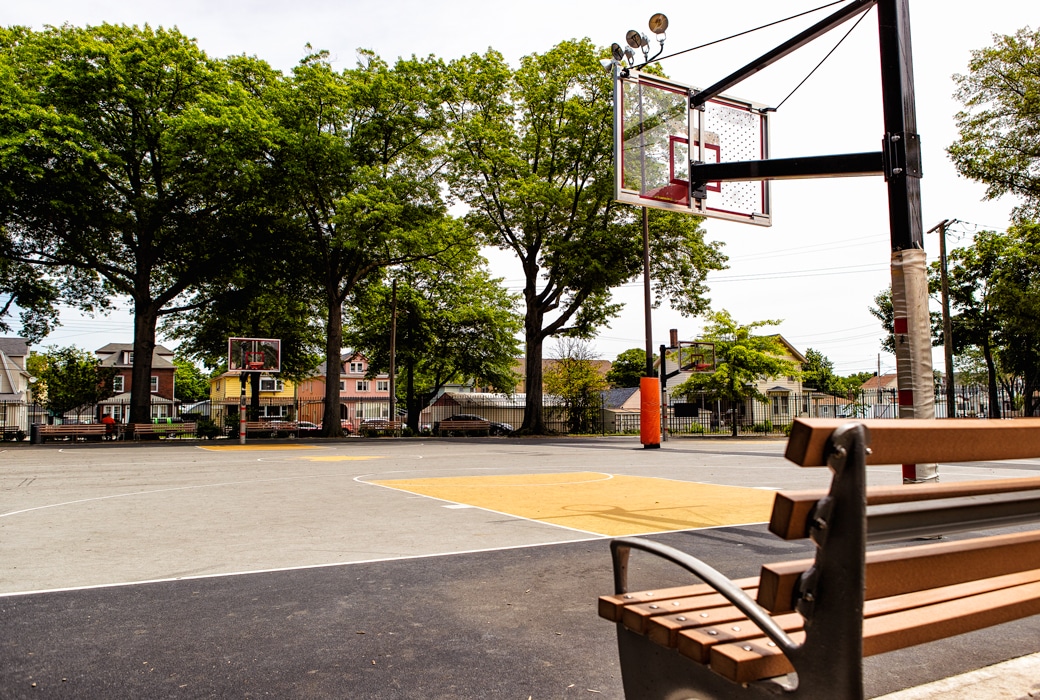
646	295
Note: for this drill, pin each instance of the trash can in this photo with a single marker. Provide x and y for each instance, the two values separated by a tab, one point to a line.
34	434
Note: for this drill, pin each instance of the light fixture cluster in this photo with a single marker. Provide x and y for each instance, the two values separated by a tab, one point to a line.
625	58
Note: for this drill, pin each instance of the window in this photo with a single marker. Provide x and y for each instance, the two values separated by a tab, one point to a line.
342	385
128	357
155	385
362	385
271	384
382	385
274	411
117	384
357	367
780	404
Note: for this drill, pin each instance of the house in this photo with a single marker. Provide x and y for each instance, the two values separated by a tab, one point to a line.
15	384
277	396
120	357
360	396
881	396
621	409
786	397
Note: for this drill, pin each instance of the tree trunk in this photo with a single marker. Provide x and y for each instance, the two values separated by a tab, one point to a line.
254	400
411	400
330	425
534	417
145	317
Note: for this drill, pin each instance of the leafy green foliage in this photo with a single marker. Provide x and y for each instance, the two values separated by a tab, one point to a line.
573	377
69	378
455	323
533	157
999	142
741	359
190	384
127	156
627	368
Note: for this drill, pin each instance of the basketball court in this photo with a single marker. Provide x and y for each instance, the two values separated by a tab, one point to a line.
380	568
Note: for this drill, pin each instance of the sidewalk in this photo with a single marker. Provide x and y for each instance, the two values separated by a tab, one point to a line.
1018	679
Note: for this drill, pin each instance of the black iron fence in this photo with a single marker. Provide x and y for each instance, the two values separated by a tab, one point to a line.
683	418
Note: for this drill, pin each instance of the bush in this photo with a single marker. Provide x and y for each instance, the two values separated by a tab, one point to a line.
765	426
206	427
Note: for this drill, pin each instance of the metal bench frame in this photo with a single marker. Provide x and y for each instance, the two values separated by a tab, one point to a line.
830	593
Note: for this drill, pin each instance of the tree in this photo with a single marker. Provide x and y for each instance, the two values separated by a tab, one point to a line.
574	378
999	142
741	360
33	296
627	369
357	156
69	378
454	323
127	155
533	158
818	372
189	383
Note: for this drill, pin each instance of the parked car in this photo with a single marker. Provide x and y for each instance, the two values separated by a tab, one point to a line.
495	428
307	428
347	426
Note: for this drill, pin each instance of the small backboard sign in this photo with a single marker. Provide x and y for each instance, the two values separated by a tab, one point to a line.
657	135
696	356
254	355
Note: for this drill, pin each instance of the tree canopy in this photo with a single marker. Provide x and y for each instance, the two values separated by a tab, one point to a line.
533	157
999	143
127	153
69	378
627	369
741	359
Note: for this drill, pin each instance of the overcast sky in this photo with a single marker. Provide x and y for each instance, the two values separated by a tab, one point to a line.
827	254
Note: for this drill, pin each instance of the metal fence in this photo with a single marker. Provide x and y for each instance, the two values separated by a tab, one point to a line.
704	417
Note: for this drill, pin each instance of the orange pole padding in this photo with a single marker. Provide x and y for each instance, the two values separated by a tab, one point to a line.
650	411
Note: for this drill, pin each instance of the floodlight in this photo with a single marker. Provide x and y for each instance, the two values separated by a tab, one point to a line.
615	51
630	54
635	39
608	64
658	23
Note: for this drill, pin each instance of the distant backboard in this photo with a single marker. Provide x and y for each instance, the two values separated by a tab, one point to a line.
254	355
656	135
696	356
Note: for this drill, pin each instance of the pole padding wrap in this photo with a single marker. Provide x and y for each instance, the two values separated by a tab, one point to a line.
650	411
913	345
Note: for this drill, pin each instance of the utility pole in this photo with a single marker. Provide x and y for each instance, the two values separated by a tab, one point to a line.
393	352
951	395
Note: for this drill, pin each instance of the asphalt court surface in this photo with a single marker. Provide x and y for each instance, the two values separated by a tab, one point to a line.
377	568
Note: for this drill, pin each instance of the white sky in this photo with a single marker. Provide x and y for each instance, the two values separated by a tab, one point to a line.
827	254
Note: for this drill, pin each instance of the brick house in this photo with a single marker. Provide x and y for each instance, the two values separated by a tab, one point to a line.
120	357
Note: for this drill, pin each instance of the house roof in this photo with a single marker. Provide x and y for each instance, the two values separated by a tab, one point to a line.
112	354
124	398
14	347
613	398
885	381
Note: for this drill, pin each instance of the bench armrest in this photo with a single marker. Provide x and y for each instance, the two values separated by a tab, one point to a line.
619	551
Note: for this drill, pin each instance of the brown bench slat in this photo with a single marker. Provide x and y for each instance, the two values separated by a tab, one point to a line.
694	636
905	570
697	643
637	617
921	441
792	509
753	658
611	607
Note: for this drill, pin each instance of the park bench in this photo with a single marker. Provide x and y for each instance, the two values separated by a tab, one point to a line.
815	619
267	428
377	426
88	431
10	432
464	427
160	430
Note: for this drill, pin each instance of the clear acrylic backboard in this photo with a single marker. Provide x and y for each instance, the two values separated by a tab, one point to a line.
656	135
254	355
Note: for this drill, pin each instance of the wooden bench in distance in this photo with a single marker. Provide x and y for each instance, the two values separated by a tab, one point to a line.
378	426
160	430
464	427
803	627
89	431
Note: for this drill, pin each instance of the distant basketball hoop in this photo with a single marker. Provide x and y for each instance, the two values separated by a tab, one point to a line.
697	356
254	355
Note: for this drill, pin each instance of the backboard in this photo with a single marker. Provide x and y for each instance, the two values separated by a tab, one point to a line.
656	135
254	355
696	356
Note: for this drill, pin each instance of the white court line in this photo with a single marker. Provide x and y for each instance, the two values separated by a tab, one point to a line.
175	488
